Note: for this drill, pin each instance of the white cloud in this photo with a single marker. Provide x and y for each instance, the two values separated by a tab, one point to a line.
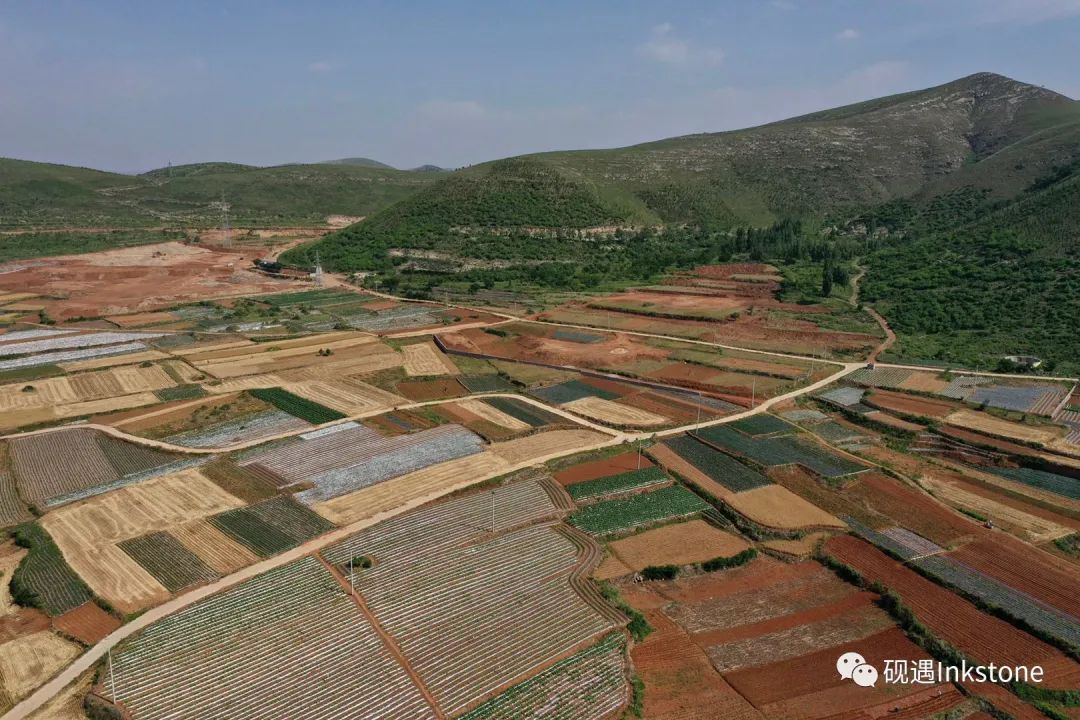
848	34
320	66
665	46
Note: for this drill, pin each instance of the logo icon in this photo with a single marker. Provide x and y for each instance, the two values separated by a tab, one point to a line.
853	666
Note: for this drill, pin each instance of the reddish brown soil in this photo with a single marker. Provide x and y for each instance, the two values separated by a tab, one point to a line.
952	618
87	623
23	621
1024	568
677	411
726	270
911	508
680	682
762	572
1002	699
139	279
685	374
910	404
810	674
602	468
420	390
844	606
611	386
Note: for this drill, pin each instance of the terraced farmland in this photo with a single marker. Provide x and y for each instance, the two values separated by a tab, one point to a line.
616	484
1052	482
588	685
284	644
611	516
722	468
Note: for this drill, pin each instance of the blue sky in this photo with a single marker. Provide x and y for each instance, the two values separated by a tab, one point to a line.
132	85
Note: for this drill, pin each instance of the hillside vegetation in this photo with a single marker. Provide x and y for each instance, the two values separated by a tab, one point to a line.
56	196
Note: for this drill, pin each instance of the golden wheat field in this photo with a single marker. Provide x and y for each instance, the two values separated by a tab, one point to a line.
28	661
425	359
542	445
352	397
220	552
613	413
492	414
776	506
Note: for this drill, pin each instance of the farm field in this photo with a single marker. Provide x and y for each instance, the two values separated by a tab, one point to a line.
539	446
425	359
611	516
777	507
984	423
913	405
257	647
87	623
610	465
685	543
617	484
87	532
488	412
614	413
953	619
26	662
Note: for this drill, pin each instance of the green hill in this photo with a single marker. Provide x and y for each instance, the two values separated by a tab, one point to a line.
358	161
55	196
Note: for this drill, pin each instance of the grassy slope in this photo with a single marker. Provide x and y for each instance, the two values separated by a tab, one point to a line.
42	195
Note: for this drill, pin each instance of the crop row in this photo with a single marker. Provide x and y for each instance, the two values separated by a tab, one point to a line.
448	523
882	540
44	579
569	391
471	618
12	509
400	455
1057	484
272	526
301	407
286	644
1019	605
249	427
762	424
624	513
23	335
722	468
314	298
614	484
164	557
399	317
588	685
70	355
485	383
516	409
71	342
784	450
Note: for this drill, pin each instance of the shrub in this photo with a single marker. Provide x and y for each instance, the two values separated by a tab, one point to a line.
736	560
660	572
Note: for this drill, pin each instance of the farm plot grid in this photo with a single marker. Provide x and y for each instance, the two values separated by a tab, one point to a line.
486	383
285	644
271	526
73	342
64	356
569	391
297	406
762	424
342	462
588	685
470	619
611	516
722	468
519	410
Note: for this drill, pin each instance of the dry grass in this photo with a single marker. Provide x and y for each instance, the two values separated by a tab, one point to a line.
87	532
426	359
434	480
776	506
492	414
68	704
204	348
27	662
250	382
609	568
613	413
277	356
982	422
352	397
10	557
681	544
797	548
541	445
214	547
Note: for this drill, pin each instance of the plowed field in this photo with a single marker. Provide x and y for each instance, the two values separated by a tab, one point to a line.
87	623
680	544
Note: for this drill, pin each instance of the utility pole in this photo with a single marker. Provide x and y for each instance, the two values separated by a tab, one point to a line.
318	271
352	586
112	679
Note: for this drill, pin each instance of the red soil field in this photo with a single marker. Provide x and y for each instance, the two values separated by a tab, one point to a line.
593	469
139	278
1002	699
87	623
848	605
911	508
23	621
910	404
612	386
762	572
1019	566
679	412
953	619
680	682
810	674
420	390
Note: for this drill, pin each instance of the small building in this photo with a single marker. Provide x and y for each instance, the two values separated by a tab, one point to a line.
1025	361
